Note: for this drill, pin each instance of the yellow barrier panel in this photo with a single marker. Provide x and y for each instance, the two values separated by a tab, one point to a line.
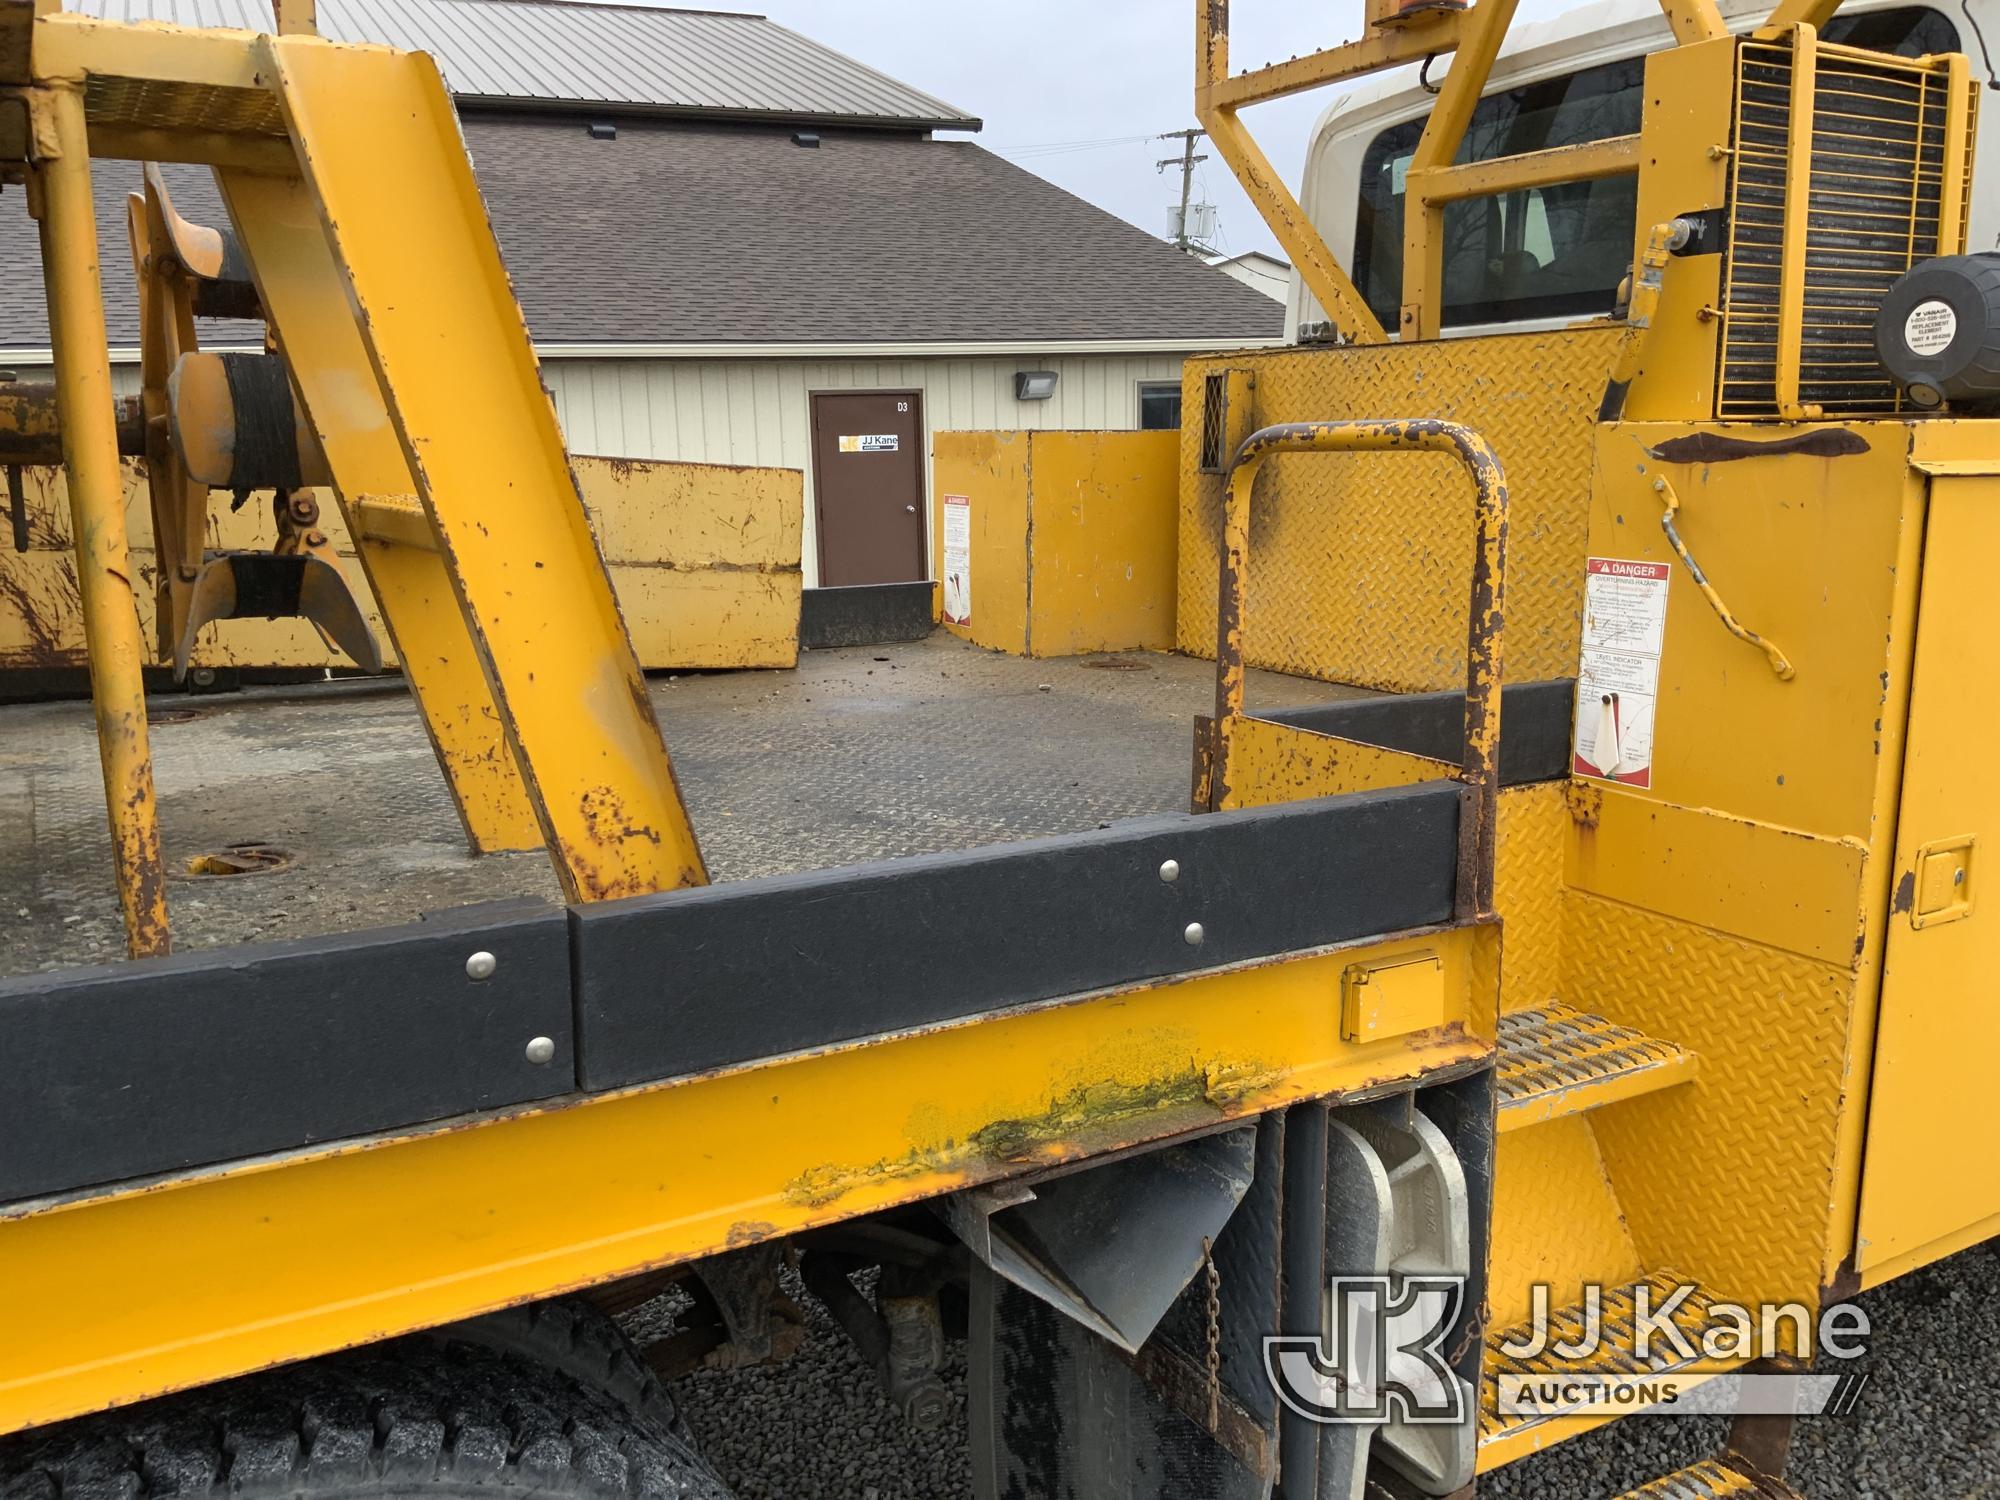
1070	539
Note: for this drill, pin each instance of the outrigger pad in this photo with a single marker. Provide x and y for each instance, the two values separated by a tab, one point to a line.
246	585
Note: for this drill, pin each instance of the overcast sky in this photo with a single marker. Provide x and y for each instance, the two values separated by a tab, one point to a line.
1079	90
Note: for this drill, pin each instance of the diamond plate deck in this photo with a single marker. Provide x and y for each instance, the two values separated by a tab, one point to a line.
861	753
1528	890
1555	1060
1360	564
1726	1180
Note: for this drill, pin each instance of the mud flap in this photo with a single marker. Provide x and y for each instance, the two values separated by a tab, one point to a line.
1398	1187
1060	1413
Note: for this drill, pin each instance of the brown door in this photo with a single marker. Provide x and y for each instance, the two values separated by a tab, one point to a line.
868	483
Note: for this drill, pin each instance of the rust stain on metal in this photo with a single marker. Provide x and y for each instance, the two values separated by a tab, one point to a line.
1716	448
1485	632
605	817
750	1232
1585	802
608	825
1906	893
1089	1117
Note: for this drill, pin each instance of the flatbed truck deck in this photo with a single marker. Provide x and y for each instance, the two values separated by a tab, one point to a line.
861	753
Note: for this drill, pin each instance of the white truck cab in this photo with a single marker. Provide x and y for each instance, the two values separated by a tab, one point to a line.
1548	256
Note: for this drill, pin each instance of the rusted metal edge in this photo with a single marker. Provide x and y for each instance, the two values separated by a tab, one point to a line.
1484	628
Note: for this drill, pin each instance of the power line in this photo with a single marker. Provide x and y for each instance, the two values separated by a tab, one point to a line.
1058	148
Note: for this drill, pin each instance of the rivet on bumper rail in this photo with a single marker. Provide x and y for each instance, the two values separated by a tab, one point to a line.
481	965
541	1050
1194	934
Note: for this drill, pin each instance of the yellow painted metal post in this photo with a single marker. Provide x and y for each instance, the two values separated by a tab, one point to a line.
1956	164
307	303
1814	13
1423	219
1301	239
61	187
462	388
1694	20
1798	200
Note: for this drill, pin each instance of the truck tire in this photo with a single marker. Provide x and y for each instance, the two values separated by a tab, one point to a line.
575	1336
411	1418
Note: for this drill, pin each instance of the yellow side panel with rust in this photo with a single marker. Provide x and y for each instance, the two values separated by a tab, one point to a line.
1072	538
1102	540
704	559
694	515
1271	763
225	1271
1803	549
1360	564
989	470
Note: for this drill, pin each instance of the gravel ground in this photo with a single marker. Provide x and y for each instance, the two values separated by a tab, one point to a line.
819	1425
1928	1427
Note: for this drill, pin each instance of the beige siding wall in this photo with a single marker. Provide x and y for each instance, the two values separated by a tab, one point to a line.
756	411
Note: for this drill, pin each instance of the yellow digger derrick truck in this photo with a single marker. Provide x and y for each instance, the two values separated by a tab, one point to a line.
1613	967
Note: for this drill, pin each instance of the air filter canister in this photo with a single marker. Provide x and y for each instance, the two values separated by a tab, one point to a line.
1938	332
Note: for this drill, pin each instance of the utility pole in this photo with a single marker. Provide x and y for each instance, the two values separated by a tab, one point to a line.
1185	161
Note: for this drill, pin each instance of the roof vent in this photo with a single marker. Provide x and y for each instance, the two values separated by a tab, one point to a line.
809	138
603	130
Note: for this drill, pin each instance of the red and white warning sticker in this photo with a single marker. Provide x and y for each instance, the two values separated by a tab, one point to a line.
958	559
1618	680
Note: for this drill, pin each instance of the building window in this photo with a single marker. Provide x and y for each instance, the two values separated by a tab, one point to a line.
1159	405
1560	250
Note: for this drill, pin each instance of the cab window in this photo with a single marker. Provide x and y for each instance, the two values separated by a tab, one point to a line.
1556	251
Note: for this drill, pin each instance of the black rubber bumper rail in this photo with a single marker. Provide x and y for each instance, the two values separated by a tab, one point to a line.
159	1066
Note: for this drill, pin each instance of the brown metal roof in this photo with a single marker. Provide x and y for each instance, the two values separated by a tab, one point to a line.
683	233
630	57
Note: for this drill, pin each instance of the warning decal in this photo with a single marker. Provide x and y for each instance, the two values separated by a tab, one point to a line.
1618	683
958	559
869	442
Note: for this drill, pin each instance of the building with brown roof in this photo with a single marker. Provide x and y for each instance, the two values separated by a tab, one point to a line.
734	245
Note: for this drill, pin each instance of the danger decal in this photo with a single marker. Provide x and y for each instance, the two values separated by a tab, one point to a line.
1618	682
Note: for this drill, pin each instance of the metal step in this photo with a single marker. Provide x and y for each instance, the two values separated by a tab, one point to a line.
1504	1437
1712	1479
1558	1061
